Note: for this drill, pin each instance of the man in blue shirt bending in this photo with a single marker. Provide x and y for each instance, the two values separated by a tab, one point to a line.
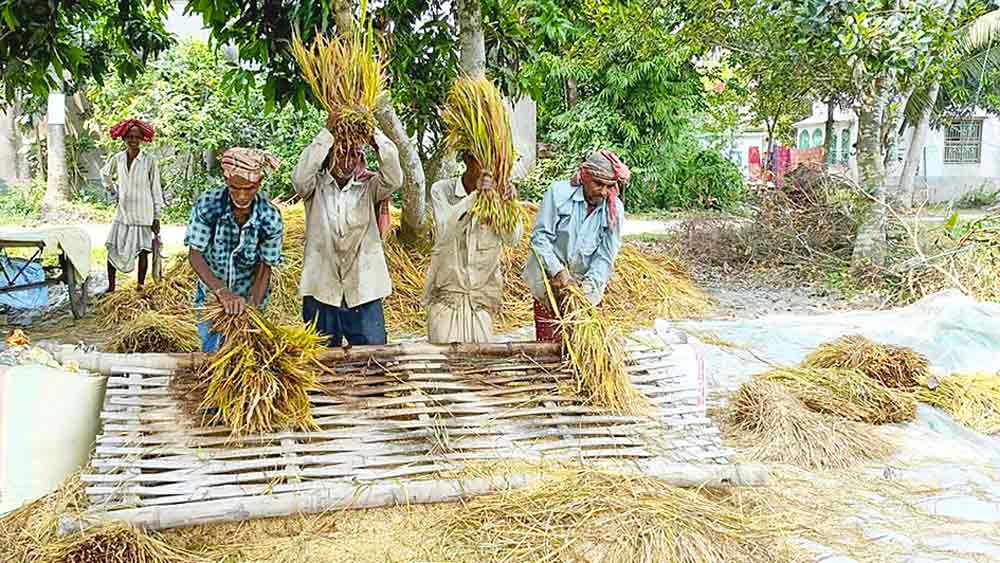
577	235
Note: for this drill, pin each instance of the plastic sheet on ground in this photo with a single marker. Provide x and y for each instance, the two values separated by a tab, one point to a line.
962	467
30	272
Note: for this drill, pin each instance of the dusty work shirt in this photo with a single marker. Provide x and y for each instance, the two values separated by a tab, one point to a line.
465	282
140	198
565	236
344	260
233	251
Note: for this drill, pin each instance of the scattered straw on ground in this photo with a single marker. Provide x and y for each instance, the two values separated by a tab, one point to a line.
973	399
589	515
25	532
847	394
154	332
644	286
894	366
774	426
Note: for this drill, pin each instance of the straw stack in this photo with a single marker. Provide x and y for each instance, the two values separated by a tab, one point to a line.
154	332
773	426
847	394
258	381
347	76
118	543
973	399
894	366
477	122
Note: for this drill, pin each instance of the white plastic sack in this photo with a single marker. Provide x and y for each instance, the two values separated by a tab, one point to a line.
49	419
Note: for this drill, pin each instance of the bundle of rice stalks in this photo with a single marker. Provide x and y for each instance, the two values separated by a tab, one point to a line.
477	122
774	426
597	355
973	399
894	366
347	77
589	515
259	380
25	532
846	393
155	332
118	543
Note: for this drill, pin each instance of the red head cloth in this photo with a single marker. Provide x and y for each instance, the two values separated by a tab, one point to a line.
119	130
605	165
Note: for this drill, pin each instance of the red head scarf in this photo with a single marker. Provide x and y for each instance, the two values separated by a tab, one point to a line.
119	130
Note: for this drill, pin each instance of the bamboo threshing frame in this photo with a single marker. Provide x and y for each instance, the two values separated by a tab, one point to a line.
392	419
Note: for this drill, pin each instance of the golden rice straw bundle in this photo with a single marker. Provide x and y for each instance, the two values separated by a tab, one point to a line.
894	366
773	426
590	515
347	77
597	355
26	532
973	399
118	543
846	393
259	380
155	332
477	122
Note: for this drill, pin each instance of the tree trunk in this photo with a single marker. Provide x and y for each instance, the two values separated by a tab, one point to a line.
870	244
571	92
56	191
918	138
413	225
471	39
829	146
10	146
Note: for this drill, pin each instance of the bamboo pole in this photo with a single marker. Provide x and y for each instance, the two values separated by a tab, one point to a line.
106	363
343	496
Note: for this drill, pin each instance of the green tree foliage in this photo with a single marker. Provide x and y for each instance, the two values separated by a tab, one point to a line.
182	95
57	45
638	92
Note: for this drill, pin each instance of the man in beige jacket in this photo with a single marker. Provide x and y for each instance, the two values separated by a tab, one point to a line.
465	281
344	273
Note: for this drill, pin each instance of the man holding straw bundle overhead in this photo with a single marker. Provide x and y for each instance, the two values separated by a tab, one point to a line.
473	217
577	235
344	272
234	237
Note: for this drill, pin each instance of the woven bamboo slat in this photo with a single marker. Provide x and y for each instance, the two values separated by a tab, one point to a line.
385	416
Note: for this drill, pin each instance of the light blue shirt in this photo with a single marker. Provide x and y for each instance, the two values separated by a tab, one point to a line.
566	237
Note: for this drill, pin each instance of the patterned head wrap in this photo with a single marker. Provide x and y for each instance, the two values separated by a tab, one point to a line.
605	166
121	129
247	164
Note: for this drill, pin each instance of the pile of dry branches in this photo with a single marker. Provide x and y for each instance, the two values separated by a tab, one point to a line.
812	219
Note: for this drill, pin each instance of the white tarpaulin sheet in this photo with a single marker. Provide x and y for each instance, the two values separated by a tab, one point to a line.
957	334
